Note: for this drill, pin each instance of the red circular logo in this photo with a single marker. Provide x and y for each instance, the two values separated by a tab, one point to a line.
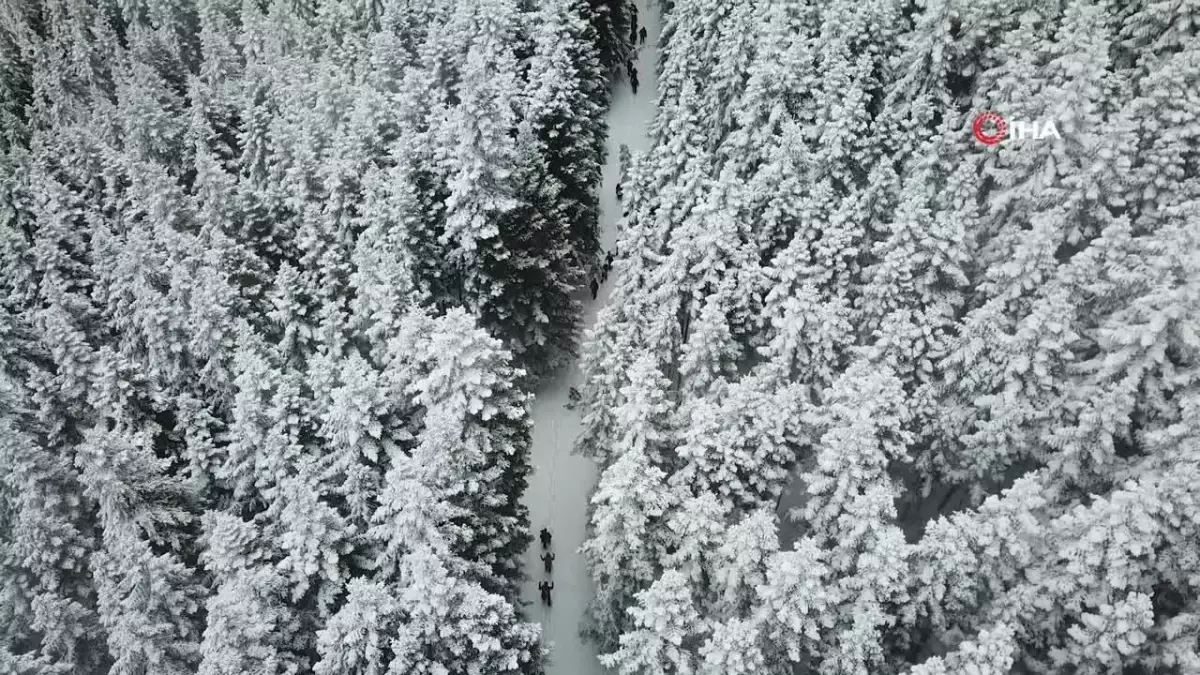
990	128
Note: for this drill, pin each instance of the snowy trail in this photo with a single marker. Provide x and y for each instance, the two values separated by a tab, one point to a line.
561	482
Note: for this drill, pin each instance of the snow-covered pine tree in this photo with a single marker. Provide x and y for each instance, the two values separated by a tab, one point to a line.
17	35
1086	602
456	625
497	244
148	598
665	627
446	535
739	443
850	512
611	20
475	413
47	607
356	640
565	114
990	653
625	540
250	627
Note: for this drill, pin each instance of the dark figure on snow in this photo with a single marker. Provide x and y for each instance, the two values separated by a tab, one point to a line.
595	288
642	35
608	260
545	537
633	82
629	69
620	192
548	562
545	587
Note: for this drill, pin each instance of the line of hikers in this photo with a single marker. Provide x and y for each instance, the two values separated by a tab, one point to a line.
544	587
637	36
604	270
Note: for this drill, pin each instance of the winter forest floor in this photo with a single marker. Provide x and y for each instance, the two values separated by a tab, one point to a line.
561	482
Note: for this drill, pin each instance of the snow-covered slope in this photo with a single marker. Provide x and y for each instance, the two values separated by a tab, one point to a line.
561	482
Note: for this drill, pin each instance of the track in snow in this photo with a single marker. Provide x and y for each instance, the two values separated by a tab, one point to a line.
561	482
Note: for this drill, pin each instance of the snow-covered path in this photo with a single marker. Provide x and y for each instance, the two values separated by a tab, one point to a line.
561	482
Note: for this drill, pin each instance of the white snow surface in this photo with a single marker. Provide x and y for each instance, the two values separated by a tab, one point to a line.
561	482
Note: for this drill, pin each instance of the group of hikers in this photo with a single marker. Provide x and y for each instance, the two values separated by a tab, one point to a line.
607	266
604	270
544	587
637	36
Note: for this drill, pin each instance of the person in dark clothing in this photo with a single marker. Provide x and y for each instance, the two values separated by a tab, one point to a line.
642	35
620	192
545	587
545	537
633	82
548	562
629	69
608	260
595	288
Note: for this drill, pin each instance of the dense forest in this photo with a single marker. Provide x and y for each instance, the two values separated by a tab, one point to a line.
872	397
276	279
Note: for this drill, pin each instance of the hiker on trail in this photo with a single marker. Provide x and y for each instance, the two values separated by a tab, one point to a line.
642	35
608	260
595	287
545	587
633	81
620	192
548	562
630	69
545	537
